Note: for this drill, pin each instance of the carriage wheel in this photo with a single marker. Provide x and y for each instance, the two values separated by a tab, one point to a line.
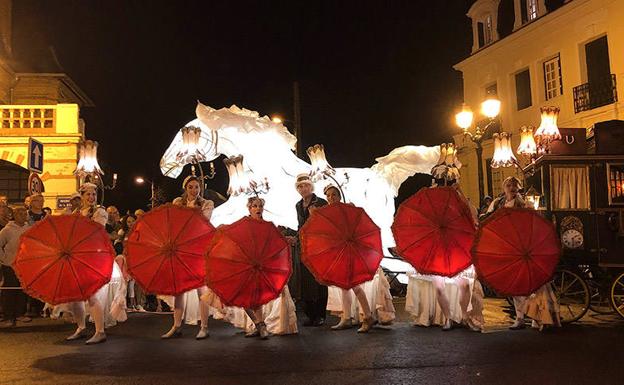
617	295
573	295
600	299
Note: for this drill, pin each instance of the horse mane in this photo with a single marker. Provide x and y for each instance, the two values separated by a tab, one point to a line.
403	162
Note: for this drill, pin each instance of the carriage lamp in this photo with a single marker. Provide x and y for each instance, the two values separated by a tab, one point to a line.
503	155
548	130
241	180
87	159
533	197
527	146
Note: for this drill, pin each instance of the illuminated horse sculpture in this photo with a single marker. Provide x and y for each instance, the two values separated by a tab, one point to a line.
267	150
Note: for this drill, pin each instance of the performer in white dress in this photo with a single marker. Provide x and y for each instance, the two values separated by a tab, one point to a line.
89	208
255	205
541	306
191	198
333	195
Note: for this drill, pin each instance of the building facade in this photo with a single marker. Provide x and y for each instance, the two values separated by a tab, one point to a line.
40	105
536	53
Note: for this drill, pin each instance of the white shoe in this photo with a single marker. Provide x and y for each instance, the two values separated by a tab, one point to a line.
78	334
173	332
448	325
262	329
518	324
343	324
367	324
254	333
203	333
96	339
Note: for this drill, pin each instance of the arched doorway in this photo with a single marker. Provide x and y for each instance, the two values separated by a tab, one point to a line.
13	182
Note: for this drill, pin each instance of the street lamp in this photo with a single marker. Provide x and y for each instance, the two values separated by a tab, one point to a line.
464	119
141	181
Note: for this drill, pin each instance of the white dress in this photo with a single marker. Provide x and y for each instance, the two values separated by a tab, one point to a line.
377	293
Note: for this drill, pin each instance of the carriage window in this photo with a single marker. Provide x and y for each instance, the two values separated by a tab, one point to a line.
570	188
616	184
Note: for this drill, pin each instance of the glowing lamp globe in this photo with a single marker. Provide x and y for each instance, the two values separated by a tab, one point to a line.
463	119
503	155
527	142
190	145
548	129
320	166
87	159
491	107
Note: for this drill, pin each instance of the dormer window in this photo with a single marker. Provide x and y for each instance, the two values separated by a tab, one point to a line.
488	29
484	15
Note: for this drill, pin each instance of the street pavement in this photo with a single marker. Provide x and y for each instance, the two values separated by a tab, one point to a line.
589	352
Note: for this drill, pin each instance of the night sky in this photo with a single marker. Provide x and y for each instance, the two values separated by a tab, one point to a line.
373	75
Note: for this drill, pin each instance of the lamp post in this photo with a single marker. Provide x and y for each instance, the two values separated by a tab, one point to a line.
464	119
141	181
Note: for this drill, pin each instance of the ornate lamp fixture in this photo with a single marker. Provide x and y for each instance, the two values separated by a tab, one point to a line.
548	130
321	168
87	159
190	145
527	146
241	180
503	155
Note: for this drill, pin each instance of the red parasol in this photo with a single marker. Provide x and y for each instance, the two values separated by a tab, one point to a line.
341	245
248	263
516	251
65	258
165	249
434	231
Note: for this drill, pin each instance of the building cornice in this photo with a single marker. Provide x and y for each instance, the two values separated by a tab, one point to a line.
528	28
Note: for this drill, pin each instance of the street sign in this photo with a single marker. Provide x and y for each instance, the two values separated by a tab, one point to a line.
35	156
35	184
62	201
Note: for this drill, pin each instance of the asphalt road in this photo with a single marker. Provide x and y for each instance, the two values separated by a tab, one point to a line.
134	354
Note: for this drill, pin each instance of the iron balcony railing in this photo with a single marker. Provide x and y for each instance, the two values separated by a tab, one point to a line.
595	94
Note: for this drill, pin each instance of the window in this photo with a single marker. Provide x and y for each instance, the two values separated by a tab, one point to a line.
488	29
13	182
616	183
531	9
523	89
553	86
481	36
491	90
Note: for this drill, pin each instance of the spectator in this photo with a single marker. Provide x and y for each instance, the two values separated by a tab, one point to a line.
114	222
5	215
74	203
35	210
13	300
35	214
27	202
487	200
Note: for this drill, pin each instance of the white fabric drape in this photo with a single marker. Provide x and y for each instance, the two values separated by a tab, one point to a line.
570	187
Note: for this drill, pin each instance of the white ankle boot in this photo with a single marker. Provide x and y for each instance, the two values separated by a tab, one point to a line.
367	325
79	333
97	338
173	332
203	333
345	323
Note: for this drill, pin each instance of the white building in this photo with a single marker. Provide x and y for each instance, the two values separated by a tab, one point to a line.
535	53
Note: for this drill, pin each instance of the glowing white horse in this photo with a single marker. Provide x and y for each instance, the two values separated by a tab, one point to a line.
267	148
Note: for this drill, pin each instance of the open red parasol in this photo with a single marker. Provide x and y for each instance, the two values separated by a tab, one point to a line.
64	258
165	249
341	245
516	251
248	263
434	230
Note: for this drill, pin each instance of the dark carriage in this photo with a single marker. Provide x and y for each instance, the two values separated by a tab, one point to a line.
584	197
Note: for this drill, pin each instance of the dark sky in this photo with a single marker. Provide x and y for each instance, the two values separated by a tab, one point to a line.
374	75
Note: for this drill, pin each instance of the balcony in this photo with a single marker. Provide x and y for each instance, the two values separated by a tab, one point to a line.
27	117
595	94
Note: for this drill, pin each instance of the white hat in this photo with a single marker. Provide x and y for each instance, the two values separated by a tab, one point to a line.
302	179
87	186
